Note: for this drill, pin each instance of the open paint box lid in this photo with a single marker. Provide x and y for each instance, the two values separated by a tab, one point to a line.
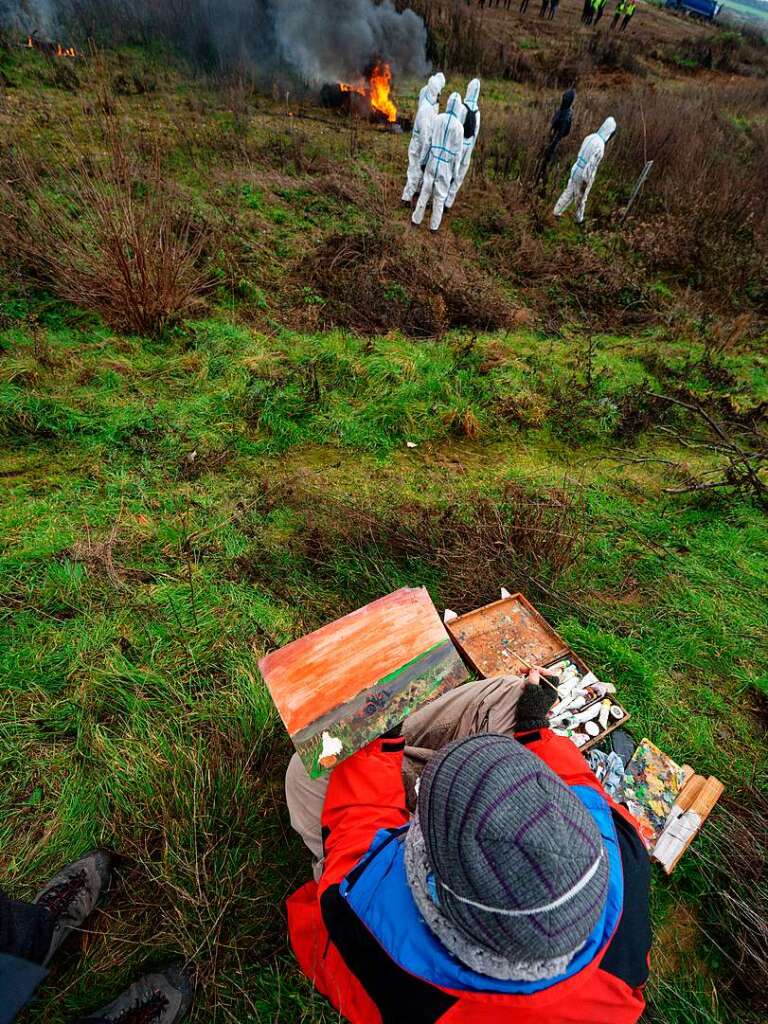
510	635
506	637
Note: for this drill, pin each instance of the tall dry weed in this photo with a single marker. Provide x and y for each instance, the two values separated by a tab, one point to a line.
109	232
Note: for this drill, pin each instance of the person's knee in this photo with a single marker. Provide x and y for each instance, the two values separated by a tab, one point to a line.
296	782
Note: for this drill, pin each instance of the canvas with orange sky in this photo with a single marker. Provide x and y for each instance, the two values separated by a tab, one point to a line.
341	686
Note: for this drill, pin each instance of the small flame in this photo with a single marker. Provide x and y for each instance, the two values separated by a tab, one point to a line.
57	51
380	84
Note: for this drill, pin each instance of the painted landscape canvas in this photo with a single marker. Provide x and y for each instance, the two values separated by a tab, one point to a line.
345	684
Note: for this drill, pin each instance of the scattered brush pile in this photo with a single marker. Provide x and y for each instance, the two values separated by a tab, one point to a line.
387	279
109	234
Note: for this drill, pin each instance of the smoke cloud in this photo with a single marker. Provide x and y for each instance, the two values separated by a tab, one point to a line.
313	40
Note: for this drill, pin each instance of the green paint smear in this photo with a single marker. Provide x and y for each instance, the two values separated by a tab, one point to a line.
408	664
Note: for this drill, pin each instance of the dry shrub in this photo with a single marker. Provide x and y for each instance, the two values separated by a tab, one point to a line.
110	234
702	215
387	279
519	538
709	145
732	861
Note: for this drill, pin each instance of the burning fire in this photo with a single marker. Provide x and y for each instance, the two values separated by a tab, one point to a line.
55	50
377	89
380	83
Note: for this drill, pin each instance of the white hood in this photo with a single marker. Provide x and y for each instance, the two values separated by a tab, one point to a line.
472	94
606	129
456	107
434	88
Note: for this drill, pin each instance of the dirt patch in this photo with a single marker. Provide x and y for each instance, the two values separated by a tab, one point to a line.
675	943
391	278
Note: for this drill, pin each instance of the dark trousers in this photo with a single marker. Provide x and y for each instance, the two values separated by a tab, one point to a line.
25	938
627	19
25	929
598	14
524	6
552	9
545	159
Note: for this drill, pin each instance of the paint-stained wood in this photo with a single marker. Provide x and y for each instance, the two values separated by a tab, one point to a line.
506	637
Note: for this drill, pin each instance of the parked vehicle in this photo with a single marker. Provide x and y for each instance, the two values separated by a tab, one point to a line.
705	10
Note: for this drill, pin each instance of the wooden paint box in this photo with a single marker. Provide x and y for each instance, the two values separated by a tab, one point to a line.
508	636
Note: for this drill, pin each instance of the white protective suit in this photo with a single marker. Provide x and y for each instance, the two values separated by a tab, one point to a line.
421	136
584	171
443	161
470	101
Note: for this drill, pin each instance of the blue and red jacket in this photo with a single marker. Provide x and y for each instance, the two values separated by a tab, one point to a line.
359	938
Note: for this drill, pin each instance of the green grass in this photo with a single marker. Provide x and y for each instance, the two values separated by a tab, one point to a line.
167	515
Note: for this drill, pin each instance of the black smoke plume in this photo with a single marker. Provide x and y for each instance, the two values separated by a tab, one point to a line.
312	40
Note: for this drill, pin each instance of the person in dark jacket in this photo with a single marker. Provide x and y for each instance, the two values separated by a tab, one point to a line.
517	891
32	933
559	129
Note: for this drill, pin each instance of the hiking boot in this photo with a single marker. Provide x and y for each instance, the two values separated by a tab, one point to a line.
71	896
161	998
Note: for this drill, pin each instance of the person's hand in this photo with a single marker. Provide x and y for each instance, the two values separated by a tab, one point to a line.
536	700
535	674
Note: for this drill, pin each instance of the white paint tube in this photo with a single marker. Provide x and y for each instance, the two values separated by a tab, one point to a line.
605	712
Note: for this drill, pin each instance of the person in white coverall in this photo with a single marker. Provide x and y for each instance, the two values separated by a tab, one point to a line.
442	162
470	102
439	79
584	171
421	136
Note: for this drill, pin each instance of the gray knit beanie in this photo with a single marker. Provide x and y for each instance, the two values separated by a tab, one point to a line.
505	863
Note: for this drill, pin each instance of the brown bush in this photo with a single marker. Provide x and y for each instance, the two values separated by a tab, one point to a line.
108	234
517	538
391	278
702	215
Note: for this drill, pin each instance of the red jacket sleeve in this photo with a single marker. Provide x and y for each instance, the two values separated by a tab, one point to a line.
365	794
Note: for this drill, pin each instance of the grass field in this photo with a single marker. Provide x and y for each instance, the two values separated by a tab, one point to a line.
174	506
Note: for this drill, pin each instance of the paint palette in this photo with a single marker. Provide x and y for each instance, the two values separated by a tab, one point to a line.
345	684
508	636
652	784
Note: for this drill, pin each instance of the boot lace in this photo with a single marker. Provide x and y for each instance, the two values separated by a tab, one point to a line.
59	898
144	1012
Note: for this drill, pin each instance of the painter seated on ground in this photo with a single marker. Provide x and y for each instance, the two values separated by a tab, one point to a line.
517	887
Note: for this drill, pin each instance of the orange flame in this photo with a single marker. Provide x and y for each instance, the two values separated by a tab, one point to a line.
380	85
59	51
377	89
